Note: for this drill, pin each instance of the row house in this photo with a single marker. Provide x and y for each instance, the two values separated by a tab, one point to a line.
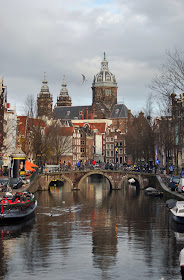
169	139
86	142
27	129
93	131
114	147
10	134
3	106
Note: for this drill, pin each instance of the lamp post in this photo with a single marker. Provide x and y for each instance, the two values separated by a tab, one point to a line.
116	150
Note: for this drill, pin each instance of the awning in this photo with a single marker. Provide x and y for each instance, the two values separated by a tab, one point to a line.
29	166
28	163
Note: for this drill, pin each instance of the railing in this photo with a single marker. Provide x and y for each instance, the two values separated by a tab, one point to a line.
103	167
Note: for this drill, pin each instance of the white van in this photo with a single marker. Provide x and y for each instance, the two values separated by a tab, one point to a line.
180	187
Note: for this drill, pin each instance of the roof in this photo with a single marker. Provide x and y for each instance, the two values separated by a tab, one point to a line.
119	111
62	130
24	121
99	126
71	112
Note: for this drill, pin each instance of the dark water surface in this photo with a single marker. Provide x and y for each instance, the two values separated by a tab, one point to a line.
93	234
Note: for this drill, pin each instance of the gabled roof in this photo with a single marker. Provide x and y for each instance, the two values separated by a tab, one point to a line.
70	112
119	111
25	122
94	126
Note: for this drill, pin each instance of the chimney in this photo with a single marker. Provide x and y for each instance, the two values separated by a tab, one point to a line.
87	113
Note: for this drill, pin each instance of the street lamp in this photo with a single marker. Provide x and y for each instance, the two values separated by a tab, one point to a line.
116	150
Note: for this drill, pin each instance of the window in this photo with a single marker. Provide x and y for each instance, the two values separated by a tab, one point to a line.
112	146
108	92
81	135
120	143
107	153
112	139
107	146
82	150
107	139
112	153
121	151
82	142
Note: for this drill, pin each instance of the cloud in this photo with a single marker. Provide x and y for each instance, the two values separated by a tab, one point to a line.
69	37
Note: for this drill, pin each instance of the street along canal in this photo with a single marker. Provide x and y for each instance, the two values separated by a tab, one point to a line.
93	234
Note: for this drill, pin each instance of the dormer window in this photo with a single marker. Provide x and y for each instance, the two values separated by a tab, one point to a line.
116	111
68	113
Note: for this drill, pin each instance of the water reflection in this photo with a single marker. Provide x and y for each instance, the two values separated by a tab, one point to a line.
94	233
9	234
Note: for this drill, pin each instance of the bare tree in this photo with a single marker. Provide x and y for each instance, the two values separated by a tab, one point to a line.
30	107
169	80
58	141
140	139
165	87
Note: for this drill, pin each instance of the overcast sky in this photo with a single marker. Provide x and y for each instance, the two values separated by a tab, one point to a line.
69	38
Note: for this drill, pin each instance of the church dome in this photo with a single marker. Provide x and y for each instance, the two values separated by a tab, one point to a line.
64	91
104	77
44	88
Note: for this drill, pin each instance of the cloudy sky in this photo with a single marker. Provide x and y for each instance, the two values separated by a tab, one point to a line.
69	38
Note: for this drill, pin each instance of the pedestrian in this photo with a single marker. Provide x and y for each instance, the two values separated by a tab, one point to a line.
181	259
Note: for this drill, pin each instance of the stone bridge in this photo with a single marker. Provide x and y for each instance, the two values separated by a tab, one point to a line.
76	178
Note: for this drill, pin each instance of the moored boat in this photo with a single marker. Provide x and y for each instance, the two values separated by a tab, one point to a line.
17	206
178	212
152	192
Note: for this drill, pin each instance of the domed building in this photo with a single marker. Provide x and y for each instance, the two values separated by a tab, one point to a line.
104	90
104	101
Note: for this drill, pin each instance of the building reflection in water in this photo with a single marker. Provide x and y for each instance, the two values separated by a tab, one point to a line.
9	235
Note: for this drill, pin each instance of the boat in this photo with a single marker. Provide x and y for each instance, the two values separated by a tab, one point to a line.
170	203
131	181
18	206
178	212
153	192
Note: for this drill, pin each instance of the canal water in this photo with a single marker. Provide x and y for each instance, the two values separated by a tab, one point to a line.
93	234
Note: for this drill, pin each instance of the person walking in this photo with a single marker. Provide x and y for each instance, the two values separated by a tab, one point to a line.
181	259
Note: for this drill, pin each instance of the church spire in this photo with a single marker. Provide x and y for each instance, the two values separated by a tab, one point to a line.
64	98
104	56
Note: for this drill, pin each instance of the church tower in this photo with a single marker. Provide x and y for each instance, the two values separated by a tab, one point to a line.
64	99
44	100
104	90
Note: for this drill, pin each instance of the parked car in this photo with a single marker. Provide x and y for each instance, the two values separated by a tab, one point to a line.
173	183
16	183
180	187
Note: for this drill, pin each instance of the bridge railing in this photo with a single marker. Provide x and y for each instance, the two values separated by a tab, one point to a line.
90	167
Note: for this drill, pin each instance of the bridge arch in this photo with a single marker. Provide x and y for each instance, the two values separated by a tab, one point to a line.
60	177
95	172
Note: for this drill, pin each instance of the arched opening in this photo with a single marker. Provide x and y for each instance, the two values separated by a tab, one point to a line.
133	182
56	183
96	176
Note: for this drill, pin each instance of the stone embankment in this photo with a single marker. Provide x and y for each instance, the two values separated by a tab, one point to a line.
164	187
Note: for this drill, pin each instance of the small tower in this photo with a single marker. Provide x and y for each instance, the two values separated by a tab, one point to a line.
104	88
44	100
64	99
